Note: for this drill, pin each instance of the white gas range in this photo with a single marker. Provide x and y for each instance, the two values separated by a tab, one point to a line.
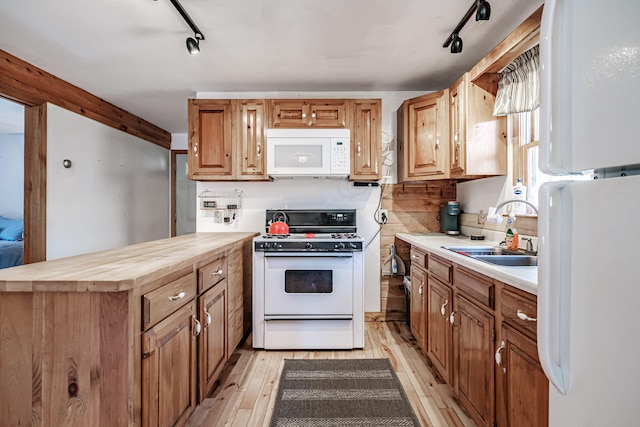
308	286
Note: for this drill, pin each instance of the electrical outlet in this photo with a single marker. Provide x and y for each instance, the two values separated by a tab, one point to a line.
383	216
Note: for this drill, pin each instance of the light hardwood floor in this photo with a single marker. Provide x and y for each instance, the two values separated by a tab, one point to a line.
248	386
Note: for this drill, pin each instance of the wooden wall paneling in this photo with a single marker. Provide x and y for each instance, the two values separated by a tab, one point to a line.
29	85
412	208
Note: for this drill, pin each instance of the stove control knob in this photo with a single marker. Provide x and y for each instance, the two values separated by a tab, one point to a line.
308	245
339	245
353	245
266	245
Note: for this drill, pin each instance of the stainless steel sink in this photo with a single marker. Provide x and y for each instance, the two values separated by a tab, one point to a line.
509	260
496	255
481	250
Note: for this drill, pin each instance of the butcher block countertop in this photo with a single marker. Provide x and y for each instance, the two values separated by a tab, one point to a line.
119	269
524	278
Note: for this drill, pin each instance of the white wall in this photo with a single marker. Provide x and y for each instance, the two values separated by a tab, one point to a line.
12	175
310	194
116	193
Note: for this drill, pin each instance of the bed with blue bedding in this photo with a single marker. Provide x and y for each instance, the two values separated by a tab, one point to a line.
11	244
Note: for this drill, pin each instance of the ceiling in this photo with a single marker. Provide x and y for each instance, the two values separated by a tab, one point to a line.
133	53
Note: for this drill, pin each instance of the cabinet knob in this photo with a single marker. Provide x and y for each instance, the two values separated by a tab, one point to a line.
438	143
523	316
208	316
177	296
358	149
259	149
195	149
452	318
420	289
442	309
313	115
304	115
217	273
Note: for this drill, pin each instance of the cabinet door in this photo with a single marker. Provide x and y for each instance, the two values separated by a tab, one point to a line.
289	113
251	122
212	312
478	144
418	290
474	381
425	136
210	140
457	118
526	388
330	113
439	332
169	369
366	141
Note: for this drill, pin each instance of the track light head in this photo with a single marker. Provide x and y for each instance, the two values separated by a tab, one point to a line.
484	11
193	45
456	44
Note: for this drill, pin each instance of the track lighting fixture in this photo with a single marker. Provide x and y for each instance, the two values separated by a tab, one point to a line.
193	43
482	8
484	11
456	44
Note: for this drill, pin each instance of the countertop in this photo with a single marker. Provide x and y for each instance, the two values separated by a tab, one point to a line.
119	269
524	278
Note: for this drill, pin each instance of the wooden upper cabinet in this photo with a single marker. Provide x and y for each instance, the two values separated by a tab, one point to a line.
251	138
423	135
366	140
301	113
478	139
210	140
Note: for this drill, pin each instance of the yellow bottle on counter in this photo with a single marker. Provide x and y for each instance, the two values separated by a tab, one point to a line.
511	238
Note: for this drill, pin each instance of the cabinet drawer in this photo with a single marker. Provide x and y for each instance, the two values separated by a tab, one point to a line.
475	286
418	257
159	303
511	304
440	268
212	273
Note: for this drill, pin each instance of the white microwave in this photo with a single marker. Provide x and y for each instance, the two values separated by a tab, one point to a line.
310	153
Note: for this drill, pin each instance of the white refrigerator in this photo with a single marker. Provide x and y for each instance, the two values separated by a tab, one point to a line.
589	231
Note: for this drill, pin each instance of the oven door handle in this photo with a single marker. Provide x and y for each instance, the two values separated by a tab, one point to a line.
310	254
309	317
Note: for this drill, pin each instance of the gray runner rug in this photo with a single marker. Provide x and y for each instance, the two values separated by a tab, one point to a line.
344	392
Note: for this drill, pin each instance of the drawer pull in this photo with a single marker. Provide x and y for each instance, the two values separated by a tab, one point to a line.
217	273
420	289
197	328
206	313
442	310
177	296
523	316
452	318
498	356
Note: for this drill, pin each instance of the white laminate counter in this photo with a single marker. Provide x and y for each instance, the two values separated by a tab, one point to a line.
524	278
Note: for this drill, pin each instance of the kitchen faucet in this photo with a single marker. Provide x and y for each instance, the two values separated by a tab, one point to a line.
506	202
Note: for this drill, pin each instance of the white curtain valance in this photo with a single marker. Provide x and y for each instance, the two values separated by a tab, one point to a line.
519	85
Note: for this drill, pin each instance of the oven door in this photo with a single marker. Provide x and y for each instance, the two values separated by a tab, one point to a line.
308	285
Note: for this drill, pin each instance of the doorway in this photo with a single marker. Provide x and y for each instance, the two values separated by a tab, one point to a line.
183	195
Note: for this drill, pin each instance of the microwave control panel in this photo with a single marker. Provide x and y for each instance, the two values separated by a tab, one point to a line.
340	155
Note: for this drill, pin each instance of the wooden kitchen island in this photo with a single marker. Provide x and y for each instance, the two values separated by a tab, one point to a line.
130	336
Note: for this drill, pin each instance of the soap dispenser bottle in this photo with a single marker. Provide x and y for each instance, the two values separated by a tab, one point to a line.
511	237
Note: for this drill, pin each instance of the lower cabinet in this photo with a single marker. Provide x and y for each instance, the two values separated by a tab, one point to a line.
473	338
212	354
169	369
480	335
439	309
522	387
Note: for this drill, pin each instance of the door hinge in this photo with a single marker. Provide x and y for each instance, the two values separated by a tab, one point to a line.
147	354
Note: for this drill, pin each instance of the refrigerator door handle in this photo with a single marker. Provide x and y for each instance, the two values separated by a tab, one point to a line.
554	271
553	134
